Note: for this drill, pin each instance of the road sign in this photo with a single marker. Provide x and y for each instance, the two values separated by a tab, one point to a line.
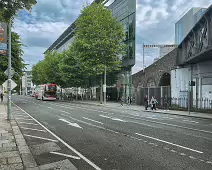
13	84
3	32
12	72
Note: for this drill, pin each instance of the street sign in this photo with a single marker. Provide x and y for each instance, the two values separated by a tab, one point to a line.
3	38
12	72
104	88
13	84
3	32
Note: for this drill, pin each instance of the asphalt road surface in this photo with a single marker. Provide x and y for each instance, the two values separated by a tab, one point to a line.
94	137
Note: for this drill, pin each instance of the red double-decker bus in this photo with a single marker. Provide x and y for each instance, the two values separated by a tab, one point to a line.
46	92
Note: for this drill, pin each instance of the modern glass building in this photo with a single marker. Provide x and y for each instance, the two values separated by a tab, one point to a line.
186	23
125	11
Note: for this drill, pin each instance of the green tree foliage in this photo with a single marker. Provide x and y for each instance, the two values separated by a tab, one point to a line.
38	73
17	61
98	39
47	71
9	8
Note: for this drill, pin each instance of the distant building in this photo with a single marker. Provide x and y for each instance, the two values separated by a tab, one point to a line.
186	23
27	83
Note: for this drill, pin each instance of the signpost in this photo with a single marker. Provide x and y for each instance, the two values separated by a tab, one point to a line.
11	83
3	38
12	72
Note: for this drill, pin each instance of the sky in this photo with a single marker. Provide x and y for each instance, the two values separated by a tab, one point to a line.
155	21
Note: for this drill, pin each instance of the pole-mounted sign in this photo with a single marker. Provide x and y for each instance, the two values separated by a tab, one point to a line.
3	38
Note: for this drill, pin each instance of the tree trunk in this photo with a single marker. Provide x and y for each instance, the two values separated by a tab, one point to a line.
101	91
61	93
77	93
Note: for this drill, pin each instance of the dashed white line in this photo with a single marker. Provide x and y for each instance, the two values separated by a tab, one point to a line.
38	137
183	154
173	151
92	120
33	129
62	141
169	143
27	123
192	157
23	119
190	121
208	162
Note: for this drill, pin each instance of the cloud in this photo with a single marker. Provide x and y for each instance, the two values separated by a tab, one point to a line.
154	25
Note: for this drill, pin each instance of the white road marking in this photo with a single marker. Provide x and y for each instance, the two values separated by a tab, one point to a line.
113	118
33	129
105	116
92	120
183	154
192	157
190	121
209	162
180	146
28	123
70	123
152	118
173	151
38	137
62	154
200	130
62	141
23	119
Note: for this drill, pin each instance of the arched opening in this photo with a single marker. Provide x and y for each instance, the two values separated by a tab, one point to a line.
165	80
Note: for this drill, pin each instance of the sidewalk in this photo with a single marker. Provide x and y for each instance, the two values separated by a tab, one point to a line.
141	108
14	152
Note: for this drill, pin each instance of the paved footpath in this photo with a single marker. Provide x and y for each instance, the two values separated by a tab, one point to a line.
141	108
14	152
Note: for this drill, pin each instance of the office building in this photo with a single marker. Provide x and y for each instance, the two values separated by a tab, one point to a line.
125	11
26	84
186	23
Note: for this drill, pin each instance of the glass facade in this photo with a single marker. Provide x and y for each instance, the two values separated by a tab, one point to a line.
179	33
125	11
186	23
198	15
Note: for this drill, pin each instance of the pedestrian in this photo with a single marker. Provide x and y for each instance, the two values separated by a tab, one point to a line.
122	101
131	100
2	97
166	103
153	103
128	100
146	102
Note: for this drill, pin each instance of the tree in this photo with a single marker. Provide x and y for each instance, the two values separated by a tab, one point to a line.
38	73
98	39
9	8
71	69
51	65
17	61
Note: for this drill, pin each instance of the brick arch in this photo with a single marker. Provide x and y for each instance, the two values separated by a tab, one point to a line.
156	70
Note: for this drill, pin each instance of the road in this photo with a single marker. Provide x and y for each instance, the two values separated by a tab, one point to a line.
93	137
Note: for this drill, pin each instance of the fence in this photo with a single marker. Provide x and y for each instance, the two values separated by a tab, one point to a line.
158	92
182	104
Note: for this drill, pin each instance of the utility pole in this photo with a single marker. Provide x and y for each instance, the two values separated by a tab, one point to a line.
143	56
9	73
